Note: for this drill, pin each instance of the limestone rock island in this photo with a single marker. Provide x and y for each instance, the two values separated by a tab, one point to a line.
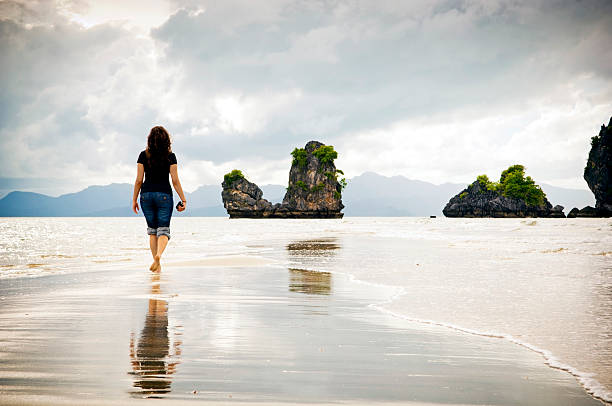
513	196
314	190
598	174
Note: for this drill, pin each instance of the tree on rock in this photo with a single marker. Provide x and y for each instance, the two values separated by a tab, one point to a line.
515	195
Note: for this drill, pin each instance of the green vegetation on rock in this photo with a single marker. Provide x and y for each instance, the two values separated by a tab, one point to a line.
317	187
343	183
485	183
488	185
299	156
463	195
233	176
514	183
302	185
511	170
333	175
325	153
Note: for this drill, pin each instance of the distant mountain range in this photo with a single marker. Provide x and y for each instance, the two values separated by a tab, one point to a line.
369	194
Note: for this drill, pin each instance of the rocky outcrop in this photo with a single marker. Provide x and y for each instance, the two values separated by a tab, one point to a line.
573	213
598	171
313	190
587	211
242	198
477	201
557	212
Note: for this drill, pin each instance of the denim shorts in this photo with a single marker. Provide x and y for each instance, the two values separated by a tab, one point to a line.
157	209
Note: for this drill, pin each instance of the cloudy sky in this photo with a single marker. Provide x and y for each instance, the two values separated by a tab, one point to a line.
439	91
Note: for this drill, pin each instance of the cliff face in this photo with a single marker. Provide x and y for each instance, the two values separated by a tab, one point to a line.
476	201
313	191
598	170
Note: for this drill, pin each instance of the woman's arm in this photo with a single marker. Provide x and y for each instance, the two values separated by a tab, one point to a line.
137	185
177	183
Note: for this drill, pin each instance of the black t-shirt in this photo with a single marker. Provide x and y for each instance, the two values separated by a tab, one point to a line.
156	178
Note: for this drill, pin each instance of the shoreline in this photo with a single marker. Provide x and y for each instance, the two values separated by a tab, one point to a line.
591	385
314	300
585	379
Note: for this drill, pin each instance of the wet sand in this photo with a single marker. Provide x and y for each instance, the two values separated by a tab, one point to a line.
224	261
248	331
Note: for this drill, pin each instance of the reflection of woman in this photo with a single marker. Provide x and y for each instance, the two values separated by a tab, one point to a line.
150	359
154	165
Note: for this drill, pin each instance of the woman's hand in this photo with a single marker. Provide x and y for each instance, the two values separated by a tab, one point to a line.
183	207
135	206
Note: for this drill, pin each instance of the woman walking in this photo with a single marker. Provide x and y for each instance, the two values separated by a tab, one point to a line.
154	165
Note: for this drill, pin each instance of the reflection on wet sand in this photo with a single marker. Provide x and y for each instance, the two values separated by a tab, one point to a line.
307	253
324	246
152	363
310	282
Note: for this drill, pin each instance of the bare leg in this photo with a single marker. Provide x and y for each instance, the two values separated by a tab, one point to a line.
162	242
153	246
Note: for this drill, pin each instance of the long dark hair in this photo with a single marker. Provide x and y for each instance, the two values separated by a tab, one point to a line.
158	147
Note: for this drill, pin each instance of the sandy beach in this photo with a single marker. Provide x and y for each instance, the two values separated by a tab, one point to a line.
239	328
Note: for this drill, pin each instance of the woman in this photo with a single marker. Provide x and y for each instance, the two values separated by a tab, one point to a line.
154	164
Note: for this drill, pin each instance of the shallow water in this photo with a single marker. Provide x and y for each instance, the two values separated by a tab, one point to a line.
542	283
248	333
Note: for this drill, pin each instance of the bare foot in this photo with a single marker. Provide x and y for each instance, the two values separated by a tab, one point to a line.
156	266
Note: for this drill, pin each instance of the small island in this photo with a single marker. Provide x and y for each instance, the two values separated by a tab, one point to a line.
515	195
314	190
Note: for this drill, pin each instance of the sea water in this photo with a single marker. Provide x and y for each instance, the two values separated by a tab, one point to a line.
545	284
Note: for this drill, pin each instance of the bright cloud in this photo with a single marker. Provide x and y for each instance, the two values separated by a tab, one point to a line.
439	91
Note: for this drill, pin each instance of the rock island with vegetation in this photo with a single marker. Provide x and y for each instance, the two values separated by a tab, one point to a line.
515	195
598	175
314	190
